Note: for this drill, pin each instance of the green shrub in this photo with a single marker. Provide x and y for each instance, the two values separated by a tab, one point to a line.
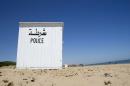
7	63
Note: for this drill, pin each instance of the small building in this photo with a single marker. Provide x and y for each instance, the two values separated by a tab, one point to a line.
65	65
40	45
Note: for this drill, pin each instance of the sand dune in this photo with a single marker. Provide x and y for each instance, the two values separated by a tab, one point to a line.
103	75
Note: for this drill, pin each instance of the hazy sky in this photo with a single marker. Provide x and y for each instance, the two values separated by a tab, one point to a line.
94	30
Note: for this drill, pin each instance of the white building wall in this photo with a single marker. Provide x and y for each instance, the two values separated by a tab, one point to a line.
46	55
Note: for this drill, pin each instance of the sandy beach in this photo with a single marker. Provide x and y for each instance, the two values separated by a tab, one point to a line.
100	75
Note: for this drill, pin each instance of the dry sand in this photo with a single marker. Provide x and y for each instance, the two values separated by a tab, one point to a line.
103	75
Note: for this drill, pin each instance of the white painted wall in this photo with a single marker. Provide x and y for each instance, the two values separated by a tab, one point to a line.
46	55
